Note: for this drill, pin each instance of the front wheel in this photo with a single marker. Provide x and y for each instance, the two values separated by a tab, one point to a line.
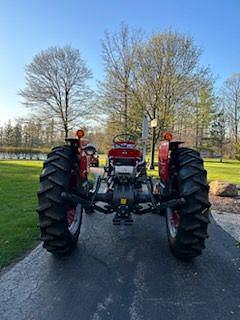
187	226
59	222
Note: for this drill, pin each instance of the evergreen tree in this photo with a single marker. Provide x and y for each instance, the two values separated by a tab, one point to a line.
218	132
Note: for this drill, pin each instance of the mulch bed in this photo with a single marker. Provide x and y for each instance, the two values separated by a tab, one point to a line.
225	204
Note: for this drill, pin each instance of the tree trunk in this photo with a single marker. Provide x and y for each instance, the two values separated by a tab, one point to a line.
196	142
236	121
125	110
153	143
66	129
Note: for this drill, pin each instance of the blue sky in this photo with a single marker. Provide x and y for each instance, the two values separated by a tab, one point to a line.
26	27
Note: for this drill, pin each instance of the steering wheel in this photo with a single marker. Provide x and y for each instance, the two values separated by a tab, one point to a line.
124	138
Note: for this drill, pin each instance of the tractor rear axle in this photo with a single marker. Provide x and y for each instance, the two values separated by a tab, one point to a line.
122	210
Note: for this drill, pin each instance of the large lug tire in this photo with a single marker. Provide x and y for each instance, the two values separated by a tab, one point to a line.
187	226
60	173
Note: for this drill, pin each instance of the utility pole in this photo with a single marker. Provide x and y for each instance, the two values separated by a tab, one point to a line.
144	137
153	125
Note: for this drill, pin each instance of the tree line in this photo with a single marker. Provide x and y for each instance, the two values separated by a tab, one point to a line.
161	76
158	75
25	136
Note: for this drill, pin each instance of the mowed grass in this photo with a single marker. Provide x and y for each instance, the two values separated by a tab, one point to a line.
19	182
102	160
228	170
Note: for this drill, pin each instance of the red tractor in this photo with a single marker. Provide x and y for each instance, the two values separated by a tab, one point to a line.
94	159
180	194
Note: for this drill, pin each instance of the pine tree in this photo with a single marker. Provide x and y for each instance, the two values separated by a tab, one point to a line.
218	132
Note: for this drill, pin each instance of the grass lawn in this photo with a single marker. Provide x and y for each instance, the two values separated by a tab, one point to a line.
102	160
228	171
19	182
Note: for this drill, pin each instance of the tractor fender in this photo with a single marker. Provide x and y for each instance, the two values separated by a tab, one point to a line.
83	160
83	165
163	160
78	146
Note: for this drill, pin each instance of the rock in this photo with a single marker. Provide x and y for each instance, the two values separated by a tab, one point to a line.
223	189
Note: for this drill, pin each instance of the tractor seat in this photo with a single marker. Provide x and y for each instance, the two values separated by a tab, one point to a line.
124	156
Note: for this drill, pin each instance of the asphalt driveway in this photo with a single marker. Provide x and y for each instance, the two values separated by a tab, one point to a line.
125	273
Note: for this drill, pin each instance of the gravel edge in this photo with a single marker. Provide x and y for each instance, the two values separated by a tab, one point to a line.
230	222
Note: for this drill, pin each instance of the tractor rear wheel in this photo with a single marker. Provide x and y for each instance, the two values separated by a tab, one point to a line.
59	222
187	226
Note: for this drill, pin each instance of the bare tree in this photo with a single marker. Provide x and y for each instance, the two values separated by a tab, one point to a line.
56	86
203	104
231	100
119	53
160	76
167	73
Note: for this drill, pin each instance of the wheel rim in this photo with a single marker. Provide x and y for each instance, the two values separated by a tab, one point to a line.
74	214
173	221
